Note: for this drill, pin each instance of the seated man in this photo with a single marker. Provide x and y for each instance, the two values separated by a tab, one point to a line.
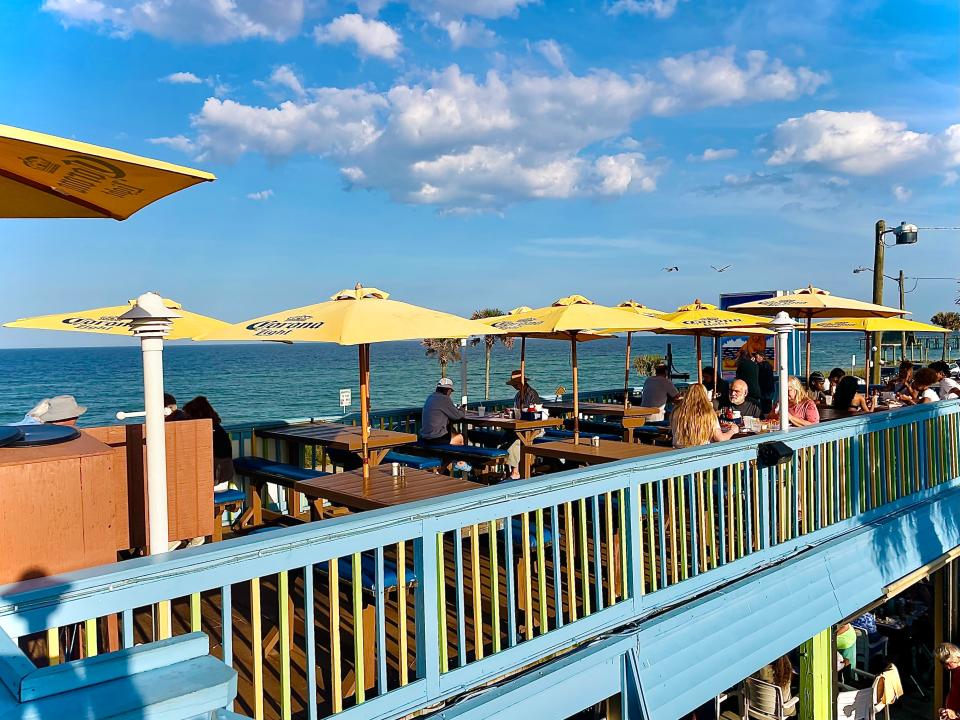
657	390
719	387
816	387
438	413
58	410
525	397
948	387
739	402
176	414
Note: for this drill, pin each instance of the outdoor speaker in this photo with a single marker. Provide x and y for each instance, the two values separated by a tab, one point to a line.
773	453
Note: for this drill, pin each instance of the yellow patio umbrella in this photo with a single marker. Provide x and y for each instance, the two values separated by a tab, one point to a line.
358	316
643	310
701	320
868	325
107	321
576	319
45	176
812	302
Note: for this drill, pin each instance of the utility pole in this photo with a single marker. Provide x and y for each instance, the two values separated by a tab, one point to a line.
903	335
878	247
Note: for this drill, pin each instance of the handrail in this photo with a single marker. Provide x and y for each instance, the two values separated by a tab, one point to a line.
502	576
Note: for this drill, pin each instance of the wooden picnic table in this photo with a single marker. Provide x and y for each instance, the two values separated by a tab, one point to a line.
585	453
630	417
380	490
341	437
526	432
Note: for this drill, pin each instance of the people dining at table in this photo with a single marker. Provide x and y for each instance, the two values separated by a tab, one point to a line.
438	414
901	384
924	388
816	388
847	398
948	387
801	410
657	391
717	387
694	421
525	397
949	656
738	402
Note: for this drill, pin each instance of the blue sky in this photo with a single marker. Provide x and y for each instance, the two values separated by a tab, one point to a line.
472	153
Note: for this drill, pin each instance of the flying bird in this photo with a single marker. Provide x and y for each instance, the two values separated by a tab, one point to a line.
672	269
721	269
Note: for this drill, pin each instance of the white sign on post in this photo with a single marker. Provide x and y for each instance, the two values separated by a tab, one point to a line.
345	398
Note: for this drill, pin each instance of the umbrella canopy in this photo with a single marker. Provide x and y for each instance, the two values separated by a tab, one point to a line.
107	321
869	325
702	319
355	316
44	176
813	302
639	309
573	318
358	316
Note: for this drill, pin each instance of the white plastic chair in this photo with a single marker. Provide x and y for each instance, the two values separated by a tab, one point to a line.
864	703
764	701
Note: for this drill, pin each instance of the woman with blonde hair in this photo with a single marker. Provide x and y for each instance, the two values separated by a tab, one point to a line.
695	422
801	409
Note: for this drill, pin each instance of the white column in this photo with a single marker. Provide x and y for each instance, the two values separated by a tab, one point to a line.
150	321
783	326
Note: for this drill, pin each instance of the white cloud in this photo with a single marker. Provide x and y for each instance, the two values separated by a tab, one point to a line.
901	193
859	143
660	9
951	144
704	78
551	51
950	178
206	21
468	33
462	142
180	143
372	37
286	76
457	9
712	154
182	78
260	195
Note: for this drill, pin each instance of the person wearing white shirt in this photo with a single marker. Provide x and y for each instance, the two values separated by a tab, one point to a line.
948	386
657	390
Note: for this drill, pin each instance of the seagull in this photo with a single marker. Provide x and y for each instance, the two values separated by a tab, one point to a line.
721	269
672	269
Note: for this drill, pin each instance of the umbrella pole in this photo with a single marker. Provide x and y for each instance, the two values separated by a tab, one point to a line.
867	347
364	407
576	391
943	356
523	362
808	349
717	344
699	359
626	375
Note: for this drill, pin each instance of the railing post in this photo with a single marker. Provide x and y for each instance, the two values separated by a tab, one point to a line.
633	506
763	503
427	619
854	478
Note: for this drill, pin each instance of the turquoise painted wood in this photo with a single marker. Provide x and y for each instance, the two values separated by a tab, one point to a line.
699	519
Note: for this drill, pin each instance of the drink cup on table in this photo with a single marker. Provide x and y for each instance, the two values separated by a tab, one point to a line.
481	411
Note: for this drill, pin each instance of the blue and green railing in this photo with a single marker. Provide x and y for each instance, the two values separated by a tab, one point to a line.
381	613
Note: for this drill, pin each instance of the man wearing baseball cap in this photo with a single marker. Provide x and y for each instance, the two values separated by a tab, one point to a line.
438	413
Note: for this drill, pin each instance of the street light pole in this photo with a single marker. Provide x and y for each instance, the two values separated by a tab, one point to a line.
878	248
903	335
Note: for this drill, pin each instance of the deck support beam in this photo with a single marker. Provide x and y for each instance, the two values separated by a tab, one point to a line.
817	662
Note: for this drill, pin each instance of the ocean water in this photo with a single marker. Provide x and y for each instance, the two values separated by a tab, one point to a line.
272	381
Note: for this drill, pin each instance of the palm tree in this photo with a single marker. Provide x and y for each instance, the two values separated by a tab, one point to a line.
488	342
445	350
647	364
948	320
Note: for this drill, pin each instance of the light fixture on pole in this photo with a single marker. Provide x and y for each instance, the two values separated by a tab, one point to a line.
783	325
904	234
150	321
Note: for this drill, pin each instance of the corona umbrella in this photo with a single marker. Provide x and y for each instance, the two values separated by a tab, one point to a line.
108	321
810	303
575	319
358	316
868	325
704	320
639	309
45	176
